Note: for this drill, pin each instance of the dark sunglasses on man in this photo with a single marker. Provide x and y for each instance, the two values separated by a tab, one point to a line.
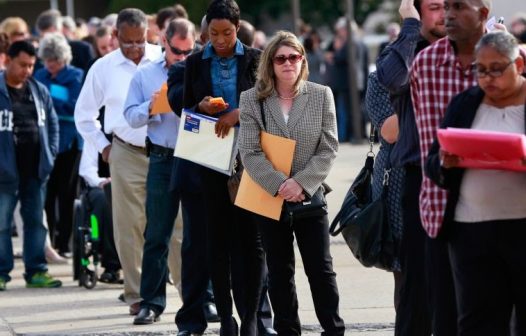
178	51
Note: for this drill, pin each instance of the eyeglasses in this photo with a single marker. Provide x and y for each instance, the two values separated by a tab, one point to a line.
292	58
178	51
493	73
132	45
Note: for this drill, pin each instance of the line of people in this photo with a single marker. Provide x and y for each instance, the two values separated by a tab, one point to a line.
443	285
446	69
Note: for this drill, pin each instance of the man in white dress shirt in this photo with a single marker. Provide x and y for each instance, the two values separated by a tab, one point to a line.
107	85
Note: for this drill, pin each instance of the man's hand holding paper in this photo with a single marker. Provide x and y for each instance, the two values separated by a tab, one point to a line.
159	102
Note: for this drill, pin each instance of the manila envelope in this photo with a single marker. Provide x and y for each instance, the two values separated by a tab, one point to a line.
161	105
250	195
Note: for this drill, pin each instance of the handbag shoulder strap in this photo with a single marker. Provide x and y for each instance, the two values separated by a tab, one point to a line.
262	111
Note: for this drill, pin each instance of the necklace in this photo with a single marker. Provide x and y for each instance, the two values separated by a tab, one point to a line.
286	98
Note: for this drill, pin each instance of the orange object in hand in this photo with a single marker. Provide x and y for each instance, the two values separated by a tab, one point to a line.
218	101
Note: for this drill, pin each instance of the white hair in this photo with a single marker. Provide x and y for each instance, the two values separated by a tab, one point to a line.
54	46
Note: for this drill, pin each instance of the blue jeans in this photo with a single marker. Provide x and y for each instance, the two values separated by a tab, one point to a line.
31	193
343	117
161	209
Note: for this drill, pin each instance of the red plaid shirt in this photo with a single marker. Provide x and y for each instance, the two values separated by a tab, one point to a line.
436	77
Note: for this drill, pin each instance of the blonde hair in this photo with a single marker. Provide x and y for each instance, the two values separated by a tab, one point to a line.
13	25
265	83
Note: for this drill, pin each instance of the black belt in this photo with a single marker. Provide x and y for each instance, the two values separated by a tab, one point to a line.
160	150
137	148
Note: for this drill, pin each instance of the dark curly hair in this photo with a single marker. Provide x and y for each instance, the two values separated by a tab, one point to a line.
223	9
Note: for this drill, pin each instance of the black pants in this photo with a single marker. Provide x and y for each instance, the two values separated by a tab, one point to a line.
489	268
413	314
194	268
102	210
441	288
265	311
186	180
312	236
231	231
61	192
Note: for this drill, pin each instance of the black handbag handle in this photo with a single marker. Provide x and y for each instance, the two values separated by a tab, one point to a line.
369	162
262	111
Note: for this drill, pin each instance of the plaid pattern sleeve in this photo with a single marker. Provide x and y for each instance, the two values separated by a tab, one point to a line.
436	77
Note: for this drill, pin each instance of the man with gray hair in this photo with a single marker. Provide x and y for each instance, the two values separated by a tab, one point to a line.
51	21
162	128
107	85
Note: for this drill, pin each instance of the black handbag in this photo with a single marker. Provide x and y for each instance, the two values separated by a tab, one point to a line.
310	207
235	179
363	222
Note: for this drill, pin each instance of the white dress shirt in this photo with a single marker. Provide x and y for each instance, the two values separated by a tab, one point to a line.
89	165
107	85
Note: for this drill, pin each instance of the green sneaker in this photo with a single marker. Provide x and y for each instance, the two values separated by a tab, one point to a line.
2	284
43	280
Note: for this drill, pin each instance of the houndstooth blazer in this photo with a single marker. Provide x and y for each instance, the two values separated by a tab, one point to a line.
312	123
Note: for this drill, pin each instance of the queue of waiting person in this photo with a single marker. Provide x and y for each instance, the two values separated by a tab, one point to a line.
263	90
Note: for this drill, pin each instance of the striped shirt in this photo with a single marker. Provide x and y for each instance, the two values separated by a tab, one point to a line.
436	77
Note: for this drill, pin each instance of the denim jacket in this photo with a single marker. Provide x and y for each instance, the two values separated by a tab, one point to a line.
48	133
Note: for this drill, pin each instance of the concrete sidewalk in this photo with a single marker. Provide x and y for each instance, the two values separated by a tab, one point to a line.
366	295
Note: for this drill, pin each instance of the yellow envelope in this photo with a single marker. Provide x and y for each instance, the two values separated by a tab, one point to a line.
250	195
161	105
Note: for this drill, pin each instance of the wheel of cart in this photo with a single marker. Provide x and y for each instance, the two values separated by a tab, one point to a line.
86	243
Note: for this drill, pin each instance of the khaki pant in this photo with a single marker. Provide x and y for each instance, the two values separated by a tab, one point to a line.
128	169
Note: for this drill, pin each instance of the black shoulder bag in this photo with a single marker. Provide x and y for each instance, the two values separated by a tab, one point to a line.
363	222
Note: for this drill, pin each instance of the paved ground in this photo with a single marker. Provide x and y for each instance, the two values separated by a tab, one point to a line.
365	294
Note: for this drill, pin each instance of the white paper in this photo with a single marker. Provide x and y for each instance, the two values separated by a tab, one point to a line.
490	24
198	142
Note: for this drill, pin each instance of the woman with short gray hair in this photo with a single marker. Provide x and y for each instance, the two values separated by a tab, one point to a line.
54	48
63	82
486	208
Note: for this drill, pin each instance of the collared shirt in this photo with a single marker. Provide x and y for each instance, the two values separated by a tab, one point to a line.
224	74
107	85
162	128
436	76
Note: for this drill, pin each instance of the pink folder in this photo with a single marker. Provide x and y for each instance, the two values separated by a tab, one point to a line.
485	149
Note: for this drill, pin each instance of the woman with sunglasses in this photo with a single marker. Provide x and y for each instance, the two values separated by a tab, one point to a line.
486	209
224	68
303	111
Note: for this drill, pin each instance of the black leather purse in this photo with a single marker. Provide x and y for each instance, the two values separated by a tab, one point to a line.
363	222
310	207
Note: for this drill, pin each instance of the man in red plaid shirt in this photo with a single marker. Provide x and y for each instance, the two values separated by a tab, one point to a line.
439	72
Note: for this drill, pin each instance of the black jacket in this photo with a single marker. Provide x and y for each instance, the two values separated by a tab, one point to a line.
198	79
460	114
82	53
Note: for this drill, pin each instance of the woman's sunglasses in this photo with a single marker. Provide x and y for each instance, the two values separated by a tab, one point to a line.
292	58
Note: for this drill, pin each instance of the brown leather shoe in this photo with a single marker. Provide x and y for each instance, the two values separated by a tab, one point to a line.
135	308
